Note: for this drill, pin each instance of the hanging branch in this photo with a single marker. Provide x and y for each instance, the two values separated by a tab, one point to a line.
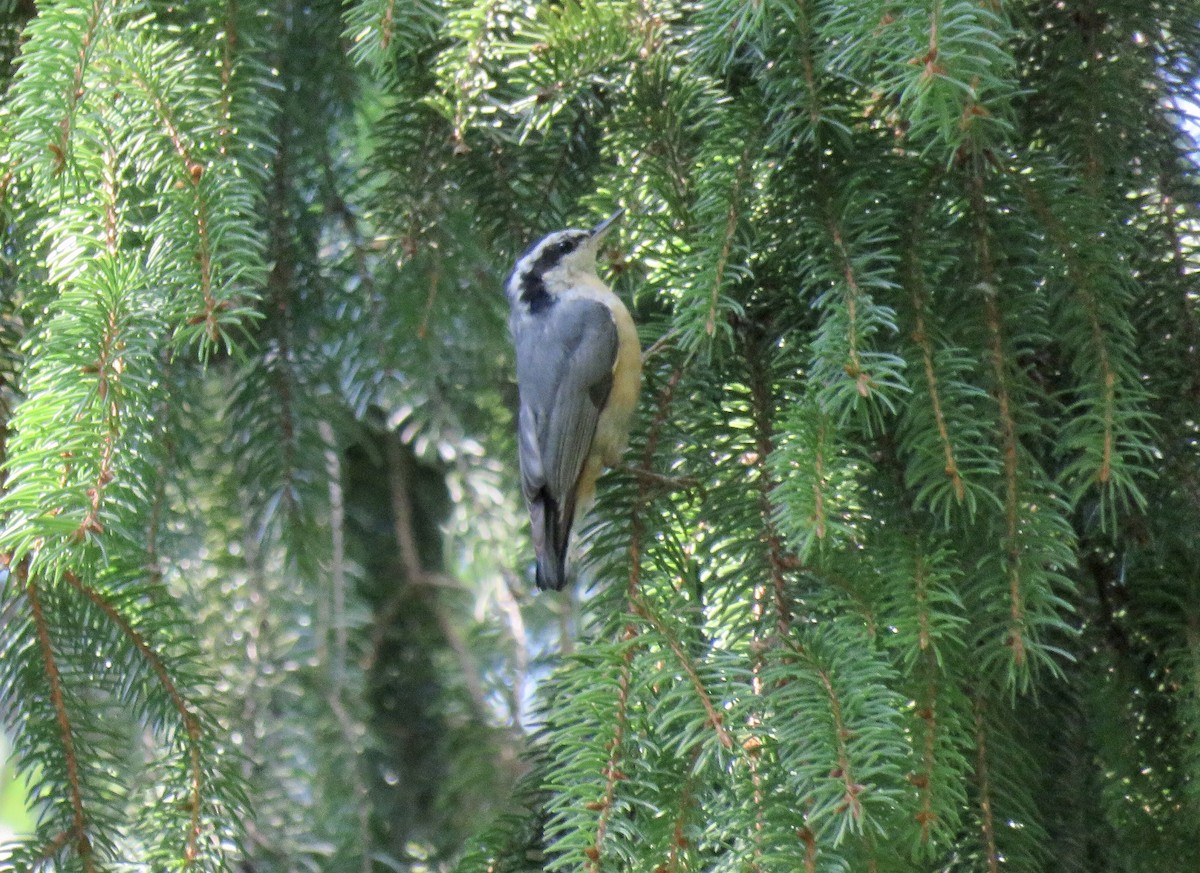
190	722
675	862
1184	271
727	236
762	411
83	843
932	638
229	47
612	773
715	720
464	72
191	172
75	91
841	732
983	783
762	407
854	366
919	295
1113	399
923	779
108	368
1008	427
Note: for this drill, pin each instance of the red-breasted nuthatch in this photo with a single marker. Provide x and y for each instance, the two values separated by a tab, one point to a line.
579	370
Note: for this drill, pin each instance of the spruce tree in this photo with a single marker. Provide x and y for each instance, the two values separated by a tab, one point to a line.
900	572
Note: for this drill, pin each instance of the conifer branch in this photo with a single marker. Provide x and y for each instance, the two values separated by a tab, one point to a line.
923	781
280	291
108	187
340	649
339	652
810	75
851	375
52	847
75	91
434	283
157	508
921	577
987	820
854	368
810	849
714	719
665	399
191	723
919	296
192	172
79	833
841	732
818	482
166	118
1008	427
752	746
1080	276
466	86
930	59
727	237
1183	270
228	48
612	772
107	366
386	22
762	404
921	338
679	841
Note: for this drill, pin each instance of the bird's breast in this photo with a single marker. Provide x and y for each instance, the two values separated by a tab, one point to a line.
612	427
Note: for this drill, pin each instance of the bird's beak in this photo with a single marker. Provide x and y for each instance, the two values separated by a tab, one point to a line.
599	231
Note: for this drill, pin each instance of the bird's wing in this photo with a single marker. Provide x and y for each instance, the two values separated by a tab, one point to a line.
565	360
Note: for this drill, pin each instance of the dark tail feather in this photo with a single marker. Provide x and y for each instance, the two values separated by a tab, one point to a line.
551	534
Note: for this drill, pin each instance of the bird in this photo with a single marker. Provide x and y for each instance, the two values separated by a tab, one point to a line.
579	373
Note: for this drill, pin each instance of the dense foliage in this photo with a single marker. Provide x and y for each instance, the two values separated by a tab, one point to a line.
901	573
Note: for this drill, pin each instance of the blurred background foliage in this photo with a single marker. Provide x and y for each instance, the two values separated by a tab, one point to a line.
900	573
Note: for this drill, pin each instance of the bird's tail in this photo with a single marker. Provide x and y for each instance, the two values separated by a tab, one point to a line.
551	536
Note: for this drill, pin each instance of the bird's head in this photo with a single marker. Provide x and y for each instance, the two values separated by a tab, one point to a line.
556	262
